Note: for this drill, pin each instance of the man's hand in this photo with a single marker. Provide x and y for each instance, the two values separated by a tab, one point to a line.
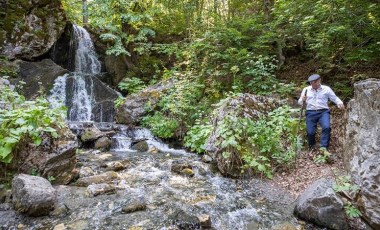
304	98
341	106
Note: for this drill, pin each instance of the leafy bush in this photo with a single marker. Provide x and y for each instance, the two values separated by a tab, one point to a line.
160	125
197	136
131	85
26	119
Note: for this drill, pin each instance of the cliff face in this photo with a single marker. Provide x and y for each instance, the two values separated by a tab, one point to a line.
29	28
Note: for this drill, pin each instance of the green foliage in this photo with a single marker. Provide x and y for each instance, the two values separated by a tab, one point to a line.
197	136
160	125
131	85
352	211
119	101
343	184
25	119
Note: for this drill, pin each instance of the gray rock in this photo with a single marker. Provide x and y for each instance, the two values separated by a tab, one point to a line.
103	143
362	146
251	106
33	195
100	189
54	158
134	107
320	205
35	73
31	27
97	179
141	146
134	205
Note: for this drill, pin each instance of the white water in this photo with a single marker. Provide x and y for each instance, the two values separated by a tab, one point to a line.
122	141
86	62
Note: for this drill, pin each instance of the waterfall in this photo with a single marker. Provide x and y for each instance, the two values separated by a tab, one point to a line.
86	60
79	97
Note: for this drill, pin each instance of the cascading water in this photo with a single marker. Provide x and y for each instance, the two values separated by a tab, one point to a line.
76	90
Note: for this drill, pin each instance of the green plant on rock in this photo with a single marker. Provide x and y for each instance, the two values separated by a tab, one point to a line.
197	136
352	211
26	119
131	85
160	125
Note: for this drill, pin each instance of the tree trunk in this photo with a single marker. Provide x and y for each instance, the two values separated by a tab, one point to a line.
85	12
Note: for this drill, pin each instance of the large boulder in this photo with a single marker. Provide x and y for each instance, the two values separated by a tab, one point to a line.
250	106
28	29
33	195
362	146
54	158
135	106
39	74
320	205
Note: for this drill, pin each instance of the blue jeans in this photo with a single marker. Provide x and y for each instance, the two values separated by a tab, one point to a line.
314	117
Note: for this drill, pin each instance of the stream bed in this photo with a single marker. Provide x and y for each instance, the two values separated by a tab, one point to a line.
157	190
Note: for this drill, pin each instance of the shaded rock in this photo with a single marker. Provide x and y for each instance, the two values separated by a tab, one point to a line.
141	146
86	172
135	106
97	179
102	101
243	106
33	195
134	205
114	165
30	28
183	220
103	143
60	210
362	146
54	158
35	73
180	167
100	189
206	158
90	133
320	205
204	221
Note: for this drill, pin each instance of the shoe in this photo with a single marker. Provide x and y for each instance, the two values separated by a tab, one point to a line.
324	151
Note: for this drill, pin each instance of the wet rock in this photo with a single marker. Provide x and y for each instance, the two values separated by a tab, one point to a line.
206	159
33	195
320	205
362	147
86	172
97	179
141	146
153	150
103	143
59	227
100	189
183	220
114	165
204	221
35	73
187	172
91	133
134	205
179	166
60	210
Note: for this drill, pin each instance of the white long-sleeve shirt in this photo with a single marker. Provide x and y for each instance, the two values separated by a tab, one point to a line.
317	99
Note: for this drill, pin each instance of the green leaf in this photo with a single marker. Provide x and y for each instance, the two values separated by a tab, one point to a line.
37	141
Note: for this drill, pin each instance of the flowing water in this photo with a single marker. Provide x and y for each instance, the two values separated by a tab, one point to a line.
162	188
168	198
81	99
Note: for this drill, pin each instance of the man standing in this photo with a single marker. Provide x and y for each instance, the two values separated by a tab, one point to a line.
316	97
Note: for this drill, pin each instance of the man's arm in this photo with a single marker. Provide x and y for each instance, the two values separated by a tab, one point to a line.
302	97
335	99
